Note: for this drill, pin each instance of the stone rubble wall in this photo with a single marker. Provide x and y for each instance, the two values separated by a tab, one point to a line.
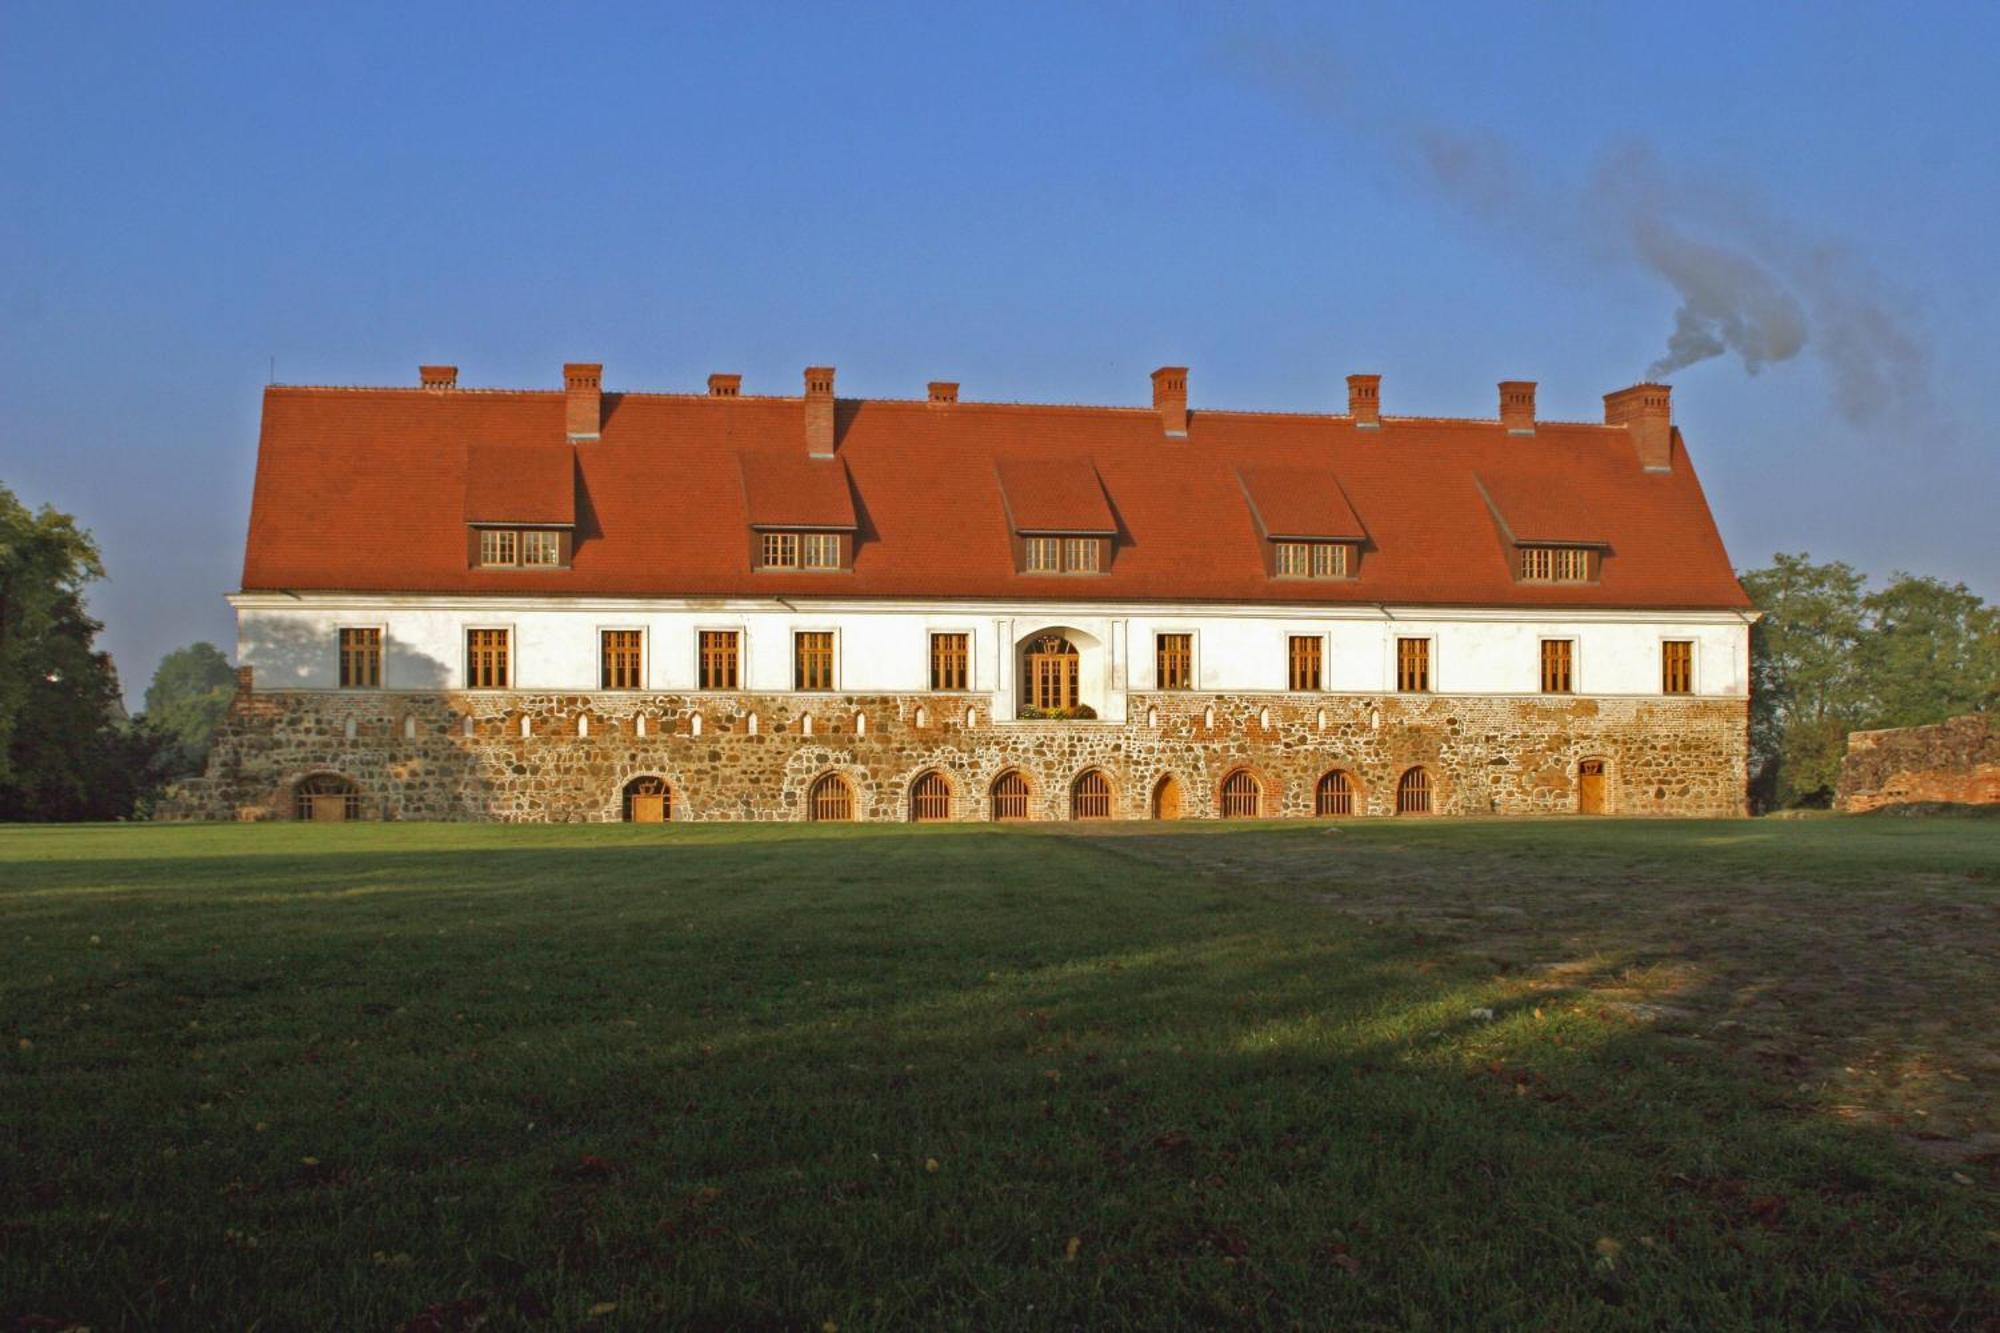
1956	762
463	756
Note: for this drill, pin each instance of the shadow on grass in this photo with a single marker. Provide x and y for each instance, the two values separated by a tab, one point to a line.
903	1078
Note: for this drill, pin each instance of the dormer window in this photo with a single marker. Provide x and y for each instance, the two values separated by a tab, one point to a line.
516	548
1311	560
1062	555
1557	564
800	550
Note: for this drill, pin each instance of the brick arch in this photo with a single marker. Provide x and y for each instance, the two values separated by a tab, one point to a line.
1324	803
649	784
831	798
1031	789
650	766
1417	791
933	796
1244	783
324	789
1085	794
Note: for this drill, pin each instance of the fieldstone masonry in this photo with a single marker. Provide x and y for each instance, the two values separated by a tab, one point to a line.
1956	762
526	757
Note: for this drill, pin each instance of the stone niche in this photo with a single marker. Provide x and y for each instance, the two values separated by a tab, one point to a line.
1956	762
526	757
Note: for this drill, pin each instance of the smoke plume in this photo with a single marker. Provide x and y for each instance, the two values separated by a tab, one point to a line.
1749	285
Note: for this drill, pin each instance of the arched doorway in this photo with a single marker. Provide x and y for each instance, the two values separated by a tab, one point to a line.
326	798
648	800
1167	797
830	799
1413	792
1590	787
1050	675
1334	795
1090	795
1010	795
930	798
1242	795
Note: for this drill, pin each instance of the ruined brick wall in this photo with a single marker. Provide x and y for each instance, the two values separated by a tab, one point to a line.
1955	762
465	756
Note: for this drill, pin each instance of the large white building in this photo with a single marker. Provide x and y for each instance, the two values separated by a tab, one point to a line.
467	603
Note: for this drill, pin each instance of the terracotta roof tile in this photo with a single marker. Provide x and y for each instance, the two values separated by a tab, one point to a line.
662	509
1301	502
1055	495
790	490
520	483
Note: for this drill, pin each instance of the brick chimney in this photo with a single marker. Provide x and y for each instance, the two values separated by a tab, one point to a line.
943	393
1646	413
819	411
725	386
583	383
1364	400
438	377
1170	399
1517	406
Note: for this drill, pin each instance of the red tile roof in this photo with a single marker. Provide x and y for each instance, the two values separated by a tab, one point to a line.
1055	495
662	510
520	483
795	491
1301	502
1542	514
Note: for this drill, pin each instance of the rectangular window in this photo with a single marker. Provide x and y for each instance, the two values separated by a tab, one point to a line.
1174	661
1305	661
781	550
718	659
1558	666
1294	560
1413	666
621	660
1080	555
487	665
499	546
541	547
820	550
1044	555
812	660
1330	560
360	659
1555	564
951	662
1677	666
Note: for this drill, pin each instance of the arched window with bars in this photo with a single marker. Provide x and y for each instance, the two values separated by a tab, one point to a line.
1090	795
1242	795
930	798
1010	795
1413	792
831	799
326	798
1334	795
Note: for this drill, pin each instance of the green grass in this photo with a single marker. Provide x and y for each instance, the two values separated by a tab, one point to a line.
1736	1075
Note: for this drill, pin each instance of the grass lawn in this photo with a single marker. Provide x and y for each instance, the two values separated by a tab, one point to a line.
1389	1074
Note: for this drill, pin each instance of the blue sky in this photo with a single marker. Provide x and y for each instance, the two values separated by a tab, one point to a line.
1041	202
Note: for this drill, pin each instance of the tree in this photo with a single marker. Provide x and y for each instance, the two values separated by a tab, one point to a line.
1807	686
66	749
1932	651
190	692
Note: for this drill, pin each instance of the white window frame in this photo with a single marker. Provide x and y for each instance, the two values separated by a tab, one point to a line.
971	658
1693	641
1575	643
465	657
792	659
382	629
1285	636
645	656
1194	656
742	634
1393	674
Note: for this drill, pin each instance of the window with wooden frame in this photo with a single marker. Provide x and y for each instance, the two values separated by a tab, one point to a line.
1677	666
1090	796
360	659
621	659
1062	555
719	659
930	798
830	798
487	659
799	550
1304	657
1557	564
1558	666
1010	796
520	548
1173	656
1242	796
812	660
1310	560
1413	666
951	661
1413	792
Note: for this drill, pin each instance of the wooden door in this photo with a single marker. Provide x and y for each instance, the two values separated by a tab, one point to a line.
1167	798
1590	787
1052	674
329	808
649	808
